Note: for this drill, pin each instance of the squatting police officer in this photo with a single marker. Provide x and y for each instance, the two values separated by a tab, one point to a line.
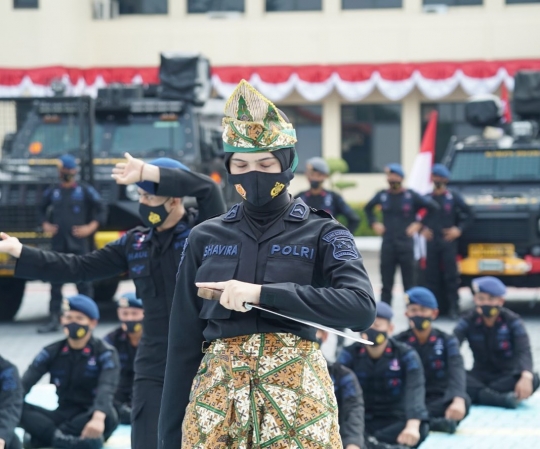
126	339
72	212
446	397
150	255
392	379
399	209
11	400
85	371
502	373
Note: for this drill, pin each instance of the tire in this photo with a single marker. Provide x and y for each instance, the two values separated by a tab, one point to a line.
12	292
104	290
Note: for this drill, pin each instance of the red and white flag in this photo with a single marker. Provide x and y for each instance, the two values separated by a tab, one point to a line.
420	177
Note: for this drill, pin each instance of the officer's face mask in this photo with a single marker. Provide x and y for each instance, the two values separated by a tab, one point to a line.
315	184
395	185
153	216
66	177
76	331
421	323
133	327
259	188
375	336
490	311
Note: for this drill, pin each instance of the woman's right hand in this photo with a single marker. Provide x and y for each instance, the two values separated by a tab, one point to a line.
10	245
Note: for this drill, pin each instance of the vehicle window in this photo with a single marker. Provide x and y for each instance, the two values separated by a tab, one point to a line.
496	165
54	139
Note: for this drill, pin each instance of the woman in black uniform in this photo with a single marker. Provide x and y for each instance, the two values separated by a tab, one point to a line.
262	381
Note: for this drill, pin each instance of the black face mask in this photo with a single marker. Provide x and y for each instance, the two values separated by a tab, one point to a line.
315	184
377	337
394	185
153	216
439	185
76	331
490	311
66	177
133	326
421	322
259	188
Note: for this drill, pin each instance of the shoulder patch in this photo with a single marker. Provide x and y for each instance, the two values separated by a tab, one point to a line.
299	211
343	243
41	358
8	381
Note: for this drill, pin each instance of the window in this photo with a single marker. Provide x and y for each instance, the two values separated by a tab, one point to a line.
370	136
143	6
293	5
451	122
514	2
25	4
307	123
203	6
454	2
371	4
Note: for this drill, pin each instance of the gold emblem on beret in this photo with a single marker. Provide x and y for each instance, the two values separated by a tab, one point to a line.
406	299
123	302
65	305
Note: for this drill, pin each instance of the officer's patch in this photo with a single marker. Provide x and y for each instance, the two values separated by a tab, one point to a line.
299	211
7	379
65	305
343	243
233	212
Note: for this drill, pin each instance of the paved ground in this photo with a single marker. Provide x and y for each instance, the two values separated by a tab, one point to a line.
484	428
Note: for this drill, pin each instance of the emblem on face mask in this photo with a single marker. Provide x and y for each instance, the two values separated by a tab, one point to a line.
154	218
240	190
137	327
380	339
81	332
493	311
277	189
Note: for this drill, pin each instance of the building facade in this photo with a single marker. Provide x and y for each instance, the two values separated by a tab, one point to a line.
358	78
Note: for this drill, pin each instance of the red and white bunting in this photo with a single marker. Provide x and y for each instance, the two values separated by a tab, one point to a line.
353	82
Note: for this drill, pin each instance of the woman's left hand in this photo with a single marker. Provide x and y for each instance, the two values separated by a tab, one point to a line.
235	293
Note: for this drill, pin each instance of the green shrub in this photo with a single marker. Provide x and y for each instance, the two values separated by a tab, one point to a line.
364	230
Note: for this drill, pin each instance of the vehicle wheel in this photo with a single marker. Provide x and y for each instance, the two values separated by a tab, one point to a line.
104	290
11	295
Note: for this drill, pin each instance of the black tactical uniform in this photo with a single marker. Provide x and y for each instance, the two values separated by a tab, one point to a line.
85	382
300	252
11	400
67	207
399	211
393	387
151	259
501	353
126	353
443	369
441	255
350	404
334	204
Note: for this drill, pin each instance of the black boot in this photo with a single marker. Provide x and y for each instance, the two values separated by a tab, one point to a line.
63	441
373	443
442	425
487	396
51	326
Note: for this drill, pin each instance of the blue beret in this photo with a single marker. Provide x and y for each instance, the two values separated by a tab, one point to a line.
164	162
440	170
83	304
130	300
319	164
384	311
421	296
490	285
68	161
395	168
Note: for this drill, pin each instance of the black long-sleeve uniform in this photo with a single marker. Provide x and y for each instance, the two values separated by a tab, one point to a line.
151	259
334	204
393	386
350	402
441	255
308	266
85	381
126	354
399	211
501	353
11	400
443	369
